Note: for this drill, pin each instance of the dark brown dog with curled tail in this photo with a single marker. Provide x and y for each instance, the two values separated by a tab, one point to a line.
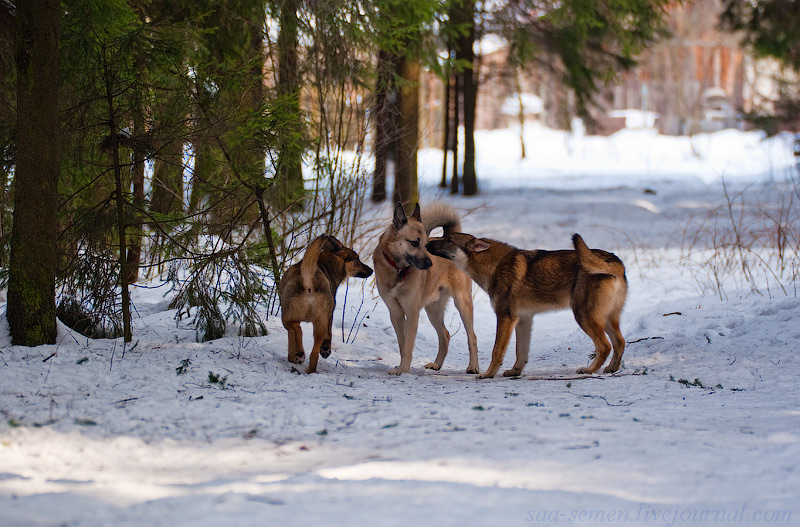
308	294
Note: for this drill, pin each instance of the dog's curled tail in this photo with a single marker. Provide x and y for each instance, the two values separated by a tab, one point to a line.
308	265
593	263
442	215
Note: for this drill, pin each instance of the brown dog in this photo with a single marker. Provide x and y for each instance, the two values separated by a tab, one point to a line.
408	280
522	283
308	294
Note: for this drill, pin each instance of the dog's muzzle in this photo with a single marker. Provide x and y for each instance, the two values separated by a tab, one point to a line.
437	248
419	263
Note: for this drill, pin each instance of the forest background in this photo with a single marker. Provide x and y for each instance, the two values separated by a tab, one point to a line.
148	137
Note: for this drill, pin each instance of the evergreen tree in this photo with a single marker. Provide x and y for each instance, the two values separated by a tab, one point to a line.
228	95
170	109
115	59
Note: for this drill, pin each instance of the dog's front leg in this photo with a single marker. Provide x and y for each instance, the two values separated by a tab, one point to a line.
408	329
505	326
407	350
398	318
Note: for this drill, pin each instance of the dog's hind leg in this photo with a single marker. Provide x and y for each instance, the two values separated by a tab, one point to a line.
463	302
320	334
617	340
325	350
296	353
435	313
523	331
505	326
595	330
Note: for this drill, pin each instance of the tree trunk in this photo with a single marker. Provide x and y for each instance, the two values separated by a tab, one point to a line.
31	287
134	255
384	110
465	53
168	179
469	176
446	120
454	179
406	190
119	196
521	115
290	174
124	272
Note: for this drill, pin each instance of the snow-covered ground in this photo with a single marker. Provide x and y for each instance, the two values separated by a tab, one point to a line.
701	427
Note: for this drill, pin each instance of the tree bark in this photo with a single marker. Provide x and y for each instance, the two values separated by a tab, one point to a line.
454	179
168	179
406	188
521	114
134	256
119	196
31	288
464	52
446	120
385	111
290	173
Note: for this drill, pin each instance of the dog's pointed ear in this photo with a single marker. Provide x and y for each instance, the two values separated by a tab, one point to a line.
400	217
417	214
332	244
477	245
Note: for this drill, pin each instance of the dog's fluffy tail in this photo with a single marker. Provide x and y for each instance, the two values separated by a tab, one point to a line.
308	265
442	215
593	263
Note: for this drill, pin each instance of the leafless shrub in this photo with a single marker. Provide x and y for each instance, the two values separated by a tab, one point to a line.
751	241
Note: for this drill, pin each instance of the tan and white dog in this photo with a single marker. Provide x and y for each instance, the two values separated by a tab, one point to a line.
409	280
522	283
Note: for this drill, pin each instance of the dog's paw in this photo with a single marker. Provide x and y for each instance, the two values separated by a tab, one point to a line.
309	370
297	359
584	371
512	373
399	371
433	366
325	348
610	369
485	375
473	369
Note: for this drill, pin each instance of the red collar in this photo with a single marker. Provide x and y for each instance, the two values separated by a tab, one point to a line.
402	272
